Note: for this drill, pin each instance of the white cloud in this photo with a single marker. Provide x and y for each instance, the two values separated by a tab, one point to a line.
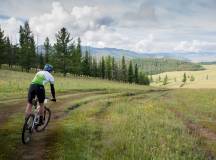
93	24
11	28
104	37
78	21
195	46
46	25
145	45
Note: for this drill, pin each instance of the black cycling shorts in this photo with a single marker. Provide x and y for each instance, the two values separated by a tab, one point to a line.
36	90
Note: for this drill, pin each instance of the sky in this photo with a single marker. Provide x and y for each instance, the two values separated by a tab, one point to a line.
137	25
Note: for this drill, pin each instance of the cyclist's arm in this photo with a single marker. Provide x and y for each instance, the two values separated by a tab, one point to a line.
51	80
52	90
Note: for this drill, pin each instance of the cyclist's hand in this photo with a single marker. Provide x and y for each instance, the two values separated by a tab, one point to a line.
53	99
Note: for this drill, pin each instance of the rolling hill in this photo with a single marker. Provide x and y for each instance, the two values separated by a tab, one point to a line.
118	53
159	65
189	56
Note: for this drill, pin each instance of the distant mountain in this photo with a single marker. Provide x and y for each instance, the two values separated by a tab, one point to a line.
118	53
207	63
187	56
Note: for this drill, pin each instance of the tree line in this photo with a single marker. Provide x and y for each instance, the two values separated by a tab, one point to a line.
66	56
160	65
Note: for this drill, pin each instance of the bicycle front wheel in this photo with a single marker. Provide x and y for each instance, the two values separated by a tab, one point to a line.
47	116
27	129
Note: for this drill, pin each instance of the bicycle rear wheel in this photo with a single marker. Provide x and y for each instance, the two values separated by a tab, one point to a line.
47	116
27	129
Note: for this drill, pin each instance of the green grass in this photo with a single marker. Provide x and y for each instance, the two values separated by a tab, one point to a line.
203	79
118	129
122	122
15	84
159	65
10	134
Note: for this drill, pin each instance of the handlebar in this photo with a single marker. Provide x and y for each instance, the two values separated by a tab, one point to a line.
34	102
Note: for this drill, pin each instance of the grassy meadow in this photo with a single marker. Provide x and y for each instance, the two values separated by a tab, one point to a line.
203	79
103	120
15	84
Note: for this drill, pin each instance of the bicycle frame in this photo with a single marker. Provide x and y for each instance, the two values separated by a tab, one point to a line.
35	105
31	126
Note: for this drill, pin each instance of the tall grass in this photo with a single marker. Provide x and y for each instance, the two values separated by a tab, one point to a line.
124	129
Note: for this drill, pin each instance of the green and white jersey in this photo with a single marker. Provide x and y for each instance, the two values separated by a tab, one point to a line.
43	77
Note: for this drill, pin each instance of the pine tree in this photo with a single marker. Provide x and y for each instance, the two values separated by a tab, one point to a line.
151	79
130	73
192	78
159	78
136	74
86	64
77	57
27	55
123	70
2	47
165	81
115	69
13	57
90	65
108	68
62	60
143	79
8	52
103	68
41	60
94	68
47	47
184	78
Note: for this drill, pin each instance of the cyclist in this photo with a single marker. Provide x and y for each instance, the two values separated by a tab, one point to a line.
37	89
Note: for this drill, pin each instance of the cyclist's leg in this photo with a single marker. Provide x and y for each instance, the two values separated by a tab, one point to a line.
28	109
31	96
41	98
41	109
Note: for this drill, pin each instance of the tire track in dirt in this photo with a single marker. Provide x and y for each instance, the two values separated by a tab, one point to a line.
99	115
8	109
42	141
195	128
37	148
197	131
47	139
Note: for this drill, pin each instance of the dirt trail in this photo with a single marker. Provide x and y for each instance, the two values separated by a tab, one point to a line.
195	128
37	149
7	109
198	131
42	141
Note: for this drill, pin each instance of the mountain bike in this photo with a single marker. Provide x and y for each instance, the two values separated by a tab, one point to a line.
32	121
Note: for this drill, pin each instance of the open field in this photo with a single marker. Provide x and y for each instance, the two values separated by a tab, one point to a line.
110	120
15	84
203	79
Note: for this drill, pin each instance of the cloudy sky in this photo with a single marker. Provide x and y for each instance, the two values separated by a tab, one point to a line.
139	25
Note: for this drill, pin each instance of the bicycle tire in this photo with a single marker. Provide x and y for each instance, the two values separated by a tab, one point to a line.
27	129
47	116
